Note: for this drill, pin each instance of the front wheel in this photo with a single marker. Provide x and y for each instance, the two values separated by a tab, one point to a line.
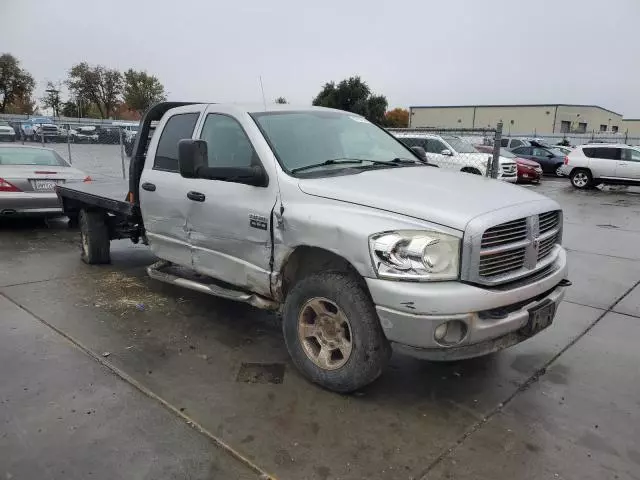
333	333
581	179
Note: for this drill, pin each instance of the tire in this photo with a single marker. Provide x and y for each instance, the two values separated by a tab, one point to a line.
473	171
369	349
581	178
94	235
558	170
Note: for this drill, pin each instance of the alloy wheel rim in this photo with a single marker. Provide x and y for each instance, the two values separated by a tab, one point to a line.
325	333
580	180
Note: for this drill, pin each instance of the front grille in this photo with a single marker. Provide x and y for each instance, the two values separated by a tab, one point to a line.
517	248
549	221
501	263
504	233
546	245
509	169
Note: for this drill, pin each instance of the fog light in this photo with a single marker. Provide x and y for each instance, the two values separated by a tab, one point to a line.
450	333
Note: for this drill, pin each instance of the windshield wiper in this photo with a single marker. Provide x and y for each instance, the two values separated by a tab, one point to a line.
333	161
339	161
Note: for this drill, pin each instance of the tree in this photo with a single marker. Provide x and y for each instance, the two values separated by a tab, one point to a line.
142	90
16	84
397	118
52	99
281	101
353	95
98	84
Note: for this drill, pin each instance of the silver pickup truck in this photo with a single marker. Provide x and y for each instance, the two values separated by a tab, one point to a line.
329	219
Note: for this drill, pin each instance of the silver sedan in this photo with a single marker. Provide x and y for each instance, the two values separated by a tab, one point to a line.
28	177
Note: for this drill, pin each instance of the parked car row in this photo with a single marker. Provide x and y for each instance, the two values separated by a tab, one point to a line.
600	163
39	129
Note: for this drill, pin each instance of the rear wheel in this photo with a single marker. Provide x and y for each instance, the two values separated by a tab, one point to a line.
94	234
581	178
333	333
558	170
473	171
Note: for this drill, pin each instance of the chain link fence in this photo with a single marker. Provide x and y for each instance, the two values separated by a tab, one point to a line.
100	148
454	149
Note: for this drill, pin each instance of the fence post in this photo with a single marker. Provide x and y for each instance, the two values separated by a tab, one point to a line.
122	153
495	165
69	142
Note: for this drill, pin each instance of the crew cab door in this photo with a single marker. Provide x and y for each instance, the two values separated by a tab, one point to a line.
231	222
163	191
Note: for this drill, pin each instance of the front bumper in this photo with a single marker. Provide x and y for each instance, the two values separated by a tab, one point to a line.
410	312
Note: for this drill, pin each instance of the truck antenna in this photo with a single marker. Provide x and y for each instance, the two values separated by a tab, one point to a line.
264	102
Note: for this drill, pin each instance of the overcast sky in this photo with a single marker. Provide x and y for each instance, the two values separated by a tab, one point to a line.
416	52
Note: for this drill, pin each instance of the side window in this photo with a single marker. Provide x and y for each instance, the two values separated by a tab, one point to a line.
522	151
435	146
410	142
227	144
516	143
606	153
631	155
504	142
177	127
540	152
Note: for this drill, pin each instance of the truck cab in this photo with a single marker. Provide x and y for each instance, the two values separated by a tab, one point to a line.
327	218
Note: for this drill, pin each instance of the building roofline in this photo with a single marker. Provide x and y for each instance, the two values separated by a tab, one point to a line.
518	105
631	119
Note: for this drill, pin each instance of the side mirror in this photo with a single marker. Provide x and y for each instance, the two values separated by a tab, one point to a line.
446	151
192	154
419	151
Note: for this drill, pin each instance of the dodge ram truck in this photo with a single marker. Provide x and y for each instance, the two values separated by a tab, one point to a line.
327	218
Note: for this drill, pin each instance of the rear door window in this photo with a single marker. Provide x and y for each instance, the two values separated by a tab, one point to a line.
516	143
605	153
178	127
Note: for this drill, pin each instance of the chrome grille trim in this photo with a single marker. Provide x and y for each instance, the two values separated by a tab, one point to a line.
515	248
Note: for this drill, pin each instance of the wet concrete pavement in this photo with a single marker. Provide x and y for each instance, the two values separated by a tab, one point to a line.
564	404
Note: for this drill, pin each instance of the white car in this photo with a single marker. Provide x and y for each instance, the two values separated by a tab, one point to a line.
594	164
452	152
7	132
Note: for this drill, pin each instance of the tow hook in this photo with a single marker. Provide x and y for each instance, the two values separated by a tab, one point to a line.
565	283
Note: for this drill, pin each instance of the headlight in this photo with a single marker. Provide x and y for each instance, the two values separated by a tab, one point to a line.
415	255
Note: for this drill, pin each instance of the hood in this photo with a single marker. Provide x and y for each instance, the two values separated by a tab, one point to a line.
444	197
526	161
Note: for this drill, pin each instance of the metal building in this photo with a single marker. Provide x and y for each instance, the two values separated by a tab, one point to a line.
530	119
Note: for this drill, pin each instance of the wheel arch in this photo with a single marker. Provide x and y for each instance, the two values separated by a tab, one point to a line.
305	260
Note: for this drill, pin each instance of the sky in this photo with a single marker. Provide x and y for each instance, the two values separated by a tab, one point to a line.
416	52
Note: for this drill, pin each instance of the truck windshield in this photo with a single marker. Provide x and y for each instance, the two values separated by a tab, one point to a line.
304	138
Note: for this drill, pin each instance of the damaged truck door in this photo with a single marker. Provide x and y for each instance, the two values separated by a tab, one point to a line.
230	228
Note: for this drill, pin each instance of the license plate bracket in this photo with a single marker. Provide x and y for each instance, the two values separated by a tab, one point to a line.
540	317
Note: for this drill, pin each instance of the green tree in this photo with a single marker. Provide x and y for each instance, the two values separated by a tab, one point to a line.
142	90
16	84
281	101
98	84
52	99
397	118
353	95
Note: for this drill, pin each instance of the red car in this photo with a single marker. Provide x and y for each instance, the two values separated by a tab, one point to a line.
528	170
